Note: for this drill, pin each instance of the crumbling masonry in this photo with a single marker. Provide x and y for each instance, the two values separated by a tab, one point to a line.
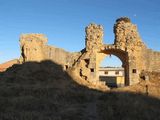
128	47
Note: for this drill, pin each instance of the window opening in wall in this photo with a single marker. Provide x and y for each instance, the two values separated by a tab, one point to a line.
117	72
80	72
92	70
105	72
134	71
66	67
87	62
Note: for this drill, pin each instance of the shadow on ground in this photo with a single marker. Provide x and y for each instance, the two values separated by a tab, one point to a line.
43	91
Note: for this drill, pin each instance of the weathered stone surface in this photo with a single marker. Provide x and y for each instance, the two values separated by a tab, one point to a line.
128	47
34	48
94	37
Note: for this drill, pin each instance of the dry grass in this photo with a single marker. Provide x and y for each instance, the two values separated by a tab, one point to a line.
150	87
43	91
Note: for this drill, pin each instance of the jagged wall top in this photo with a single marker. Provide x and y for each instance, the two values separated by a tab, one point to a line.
126	34
39	38
85	65
32	47
94	37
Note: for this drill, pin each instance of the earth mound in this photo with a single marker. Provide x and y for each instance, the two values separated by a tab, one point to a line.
43	91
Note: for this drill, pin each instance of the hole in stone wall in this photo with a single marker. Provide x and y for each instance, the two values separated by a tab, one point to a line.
66	67
87	62
134	71
92	70
80	73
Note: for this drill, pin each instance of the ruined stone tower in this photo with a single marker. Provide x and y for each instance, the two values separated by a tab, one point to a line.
127	46
94	37
32	47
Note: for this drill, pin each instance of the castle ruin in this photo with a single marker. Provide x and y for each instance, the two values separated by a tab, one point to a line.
128	47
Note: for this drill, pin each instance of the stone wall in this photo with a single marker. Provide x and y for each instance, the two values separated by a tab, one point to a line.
94	37
34	48
152	59
128	46
129	40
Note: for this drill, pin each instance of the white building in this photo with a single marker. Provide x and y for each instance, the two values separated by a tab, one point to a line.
113	76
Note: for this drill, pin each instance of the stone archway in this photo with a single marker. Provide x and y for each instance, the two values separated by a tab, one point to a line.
123	56
128	47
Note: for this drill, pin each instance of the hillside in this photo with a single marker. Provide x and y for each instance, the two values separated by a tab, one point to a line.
8	64
43	91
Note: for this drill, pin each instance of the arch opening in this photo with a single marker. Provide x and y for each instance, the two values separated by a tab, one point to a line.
113	69
111	61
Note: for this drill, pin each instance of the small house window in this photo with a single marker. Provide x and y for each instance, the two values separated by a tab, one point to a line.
105	72
134	71
117	72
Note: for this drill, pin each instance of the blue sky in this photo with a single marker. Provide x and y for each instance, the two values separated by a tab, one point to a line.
64	21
